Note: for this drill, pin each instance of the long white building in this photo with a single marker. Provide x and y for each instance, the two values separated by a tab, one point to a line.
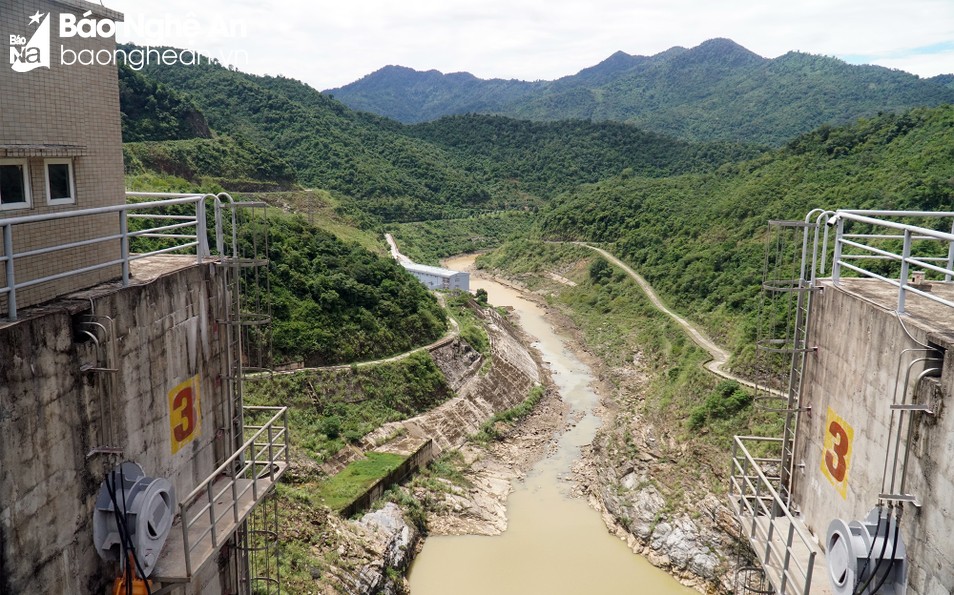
438	278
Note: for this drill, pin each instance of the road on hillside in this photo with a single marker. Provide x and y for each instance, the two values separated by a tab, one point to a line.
720	357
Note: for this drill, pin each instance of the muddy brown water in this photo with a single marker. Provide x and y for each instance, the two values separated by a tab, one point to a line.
554	543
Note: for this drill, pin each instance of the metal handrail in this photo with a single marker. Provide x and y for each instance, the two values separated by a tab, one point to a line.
864	251
242	464
197	242
753	496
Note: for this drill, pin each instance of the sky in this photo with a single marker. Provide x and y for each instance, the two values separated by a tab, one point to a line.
330	44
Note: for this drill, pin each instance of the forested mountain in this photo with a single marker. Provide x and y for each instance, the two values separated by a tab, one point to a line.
543	158
715	91
453	167
699	237
412	96
329	146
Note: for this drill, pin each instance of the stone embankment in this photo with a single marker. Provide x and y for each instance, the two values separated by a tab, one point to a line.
480	392
388	540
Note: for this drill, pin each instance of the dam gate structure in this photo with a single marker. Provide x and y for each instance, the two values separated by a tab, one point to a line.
855	496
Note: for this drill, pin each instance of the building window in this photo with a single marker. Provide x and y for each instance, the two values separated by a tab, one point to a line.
14	184
60	188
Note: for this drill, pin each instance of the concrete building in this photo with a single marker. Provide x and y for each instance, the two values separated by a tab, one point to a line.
438	278
108	355
858	497
432	277
60	145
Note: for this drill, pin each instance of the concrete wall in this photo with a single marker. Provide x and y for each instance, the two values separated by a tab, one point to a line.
423	455
850	382
50	418
67	112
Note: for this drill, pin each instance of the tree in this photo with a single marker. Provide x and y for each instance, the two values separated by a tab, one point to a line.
481	296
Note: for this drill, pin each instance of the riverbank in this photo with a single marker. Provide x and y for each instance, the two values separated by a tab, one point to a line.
554	542
657	484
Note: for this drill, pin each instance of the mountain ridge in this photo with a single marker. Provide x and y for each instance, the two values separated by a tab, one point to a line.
715	91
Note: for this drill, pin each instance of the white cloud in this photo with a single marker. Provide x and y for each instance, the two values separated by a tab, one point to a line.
331	44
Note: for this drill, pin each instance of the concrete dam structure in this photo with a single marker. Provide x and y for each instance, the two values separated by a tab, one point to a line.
855	496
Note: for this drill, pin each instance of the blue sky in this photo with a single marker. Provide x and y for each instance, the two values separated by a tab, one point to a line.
331	44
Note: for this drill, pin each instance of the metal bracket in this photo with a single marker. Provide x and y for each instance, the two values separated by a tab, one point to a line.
105	450
922	407
901	498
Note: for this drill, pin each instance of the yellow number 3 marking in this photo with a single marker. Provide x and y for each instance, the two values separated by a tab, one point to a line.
184	413
836	452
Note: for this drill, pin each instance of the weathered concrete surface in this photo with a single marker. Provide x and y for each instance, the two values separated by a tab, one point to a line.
852	375
51	417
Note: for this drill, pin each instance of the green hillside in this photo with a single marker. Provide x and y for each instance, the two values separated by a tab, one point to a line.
334	302
715	91
330	146
235	164
452	168
153	112
542	158
698	238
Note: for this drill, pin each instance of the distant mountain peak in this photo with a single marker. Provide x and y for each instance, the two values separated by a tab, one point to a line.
723	51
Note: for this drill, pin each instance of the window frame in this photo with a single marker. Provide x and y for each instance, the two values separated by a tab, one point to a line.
27	192
72	179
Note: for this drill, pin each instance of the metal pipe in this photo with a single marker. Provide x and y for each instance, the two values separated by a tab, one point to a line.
188	199
836	259
897	443
950	259
888	213
124	245
11	280
58	247
939	235
907	450
894	401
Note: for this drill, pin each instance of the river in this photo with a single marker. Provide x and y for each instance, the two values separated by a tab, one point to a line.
554	544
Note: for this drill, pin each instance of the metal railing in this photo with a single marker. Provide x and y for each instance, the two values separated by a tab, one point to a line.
256	461
773	531
918	254
178	232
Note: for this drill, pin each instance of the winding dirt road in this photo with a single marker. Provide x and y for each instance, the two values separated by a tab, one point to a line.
720	356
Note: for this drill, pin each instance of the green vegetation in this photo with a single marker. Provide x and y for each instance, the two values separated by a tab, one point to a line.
699	238
153	112
715	91
329	212
340	490
232	163
338	303
541	158
493	428
727	400
364	157
655	370
471	330
329	408
427	242
527	259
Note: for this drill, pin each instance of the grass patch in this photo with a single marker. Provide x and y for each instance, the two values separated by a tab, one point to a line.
429	241
491	429
341	490
329	408
471	329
